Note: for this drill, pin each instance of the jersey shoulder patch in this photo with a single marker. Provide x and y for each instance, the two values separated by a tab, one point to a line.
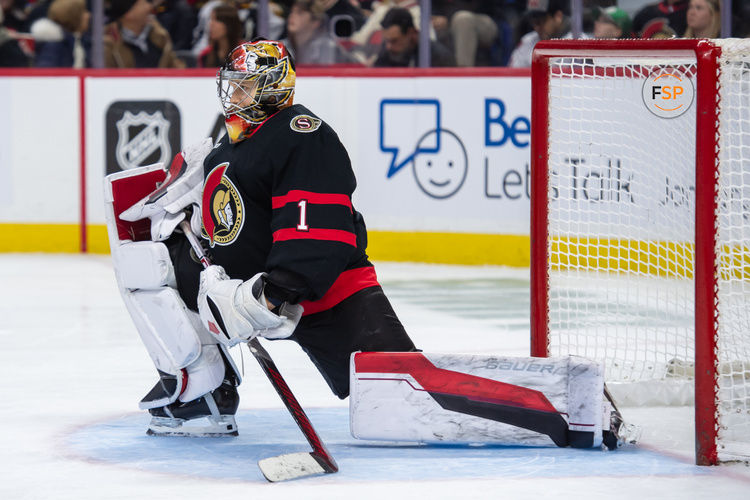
305	124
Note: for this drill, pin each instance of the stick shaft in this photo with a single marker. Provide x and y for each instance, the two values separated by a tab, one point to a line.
291	403
320	452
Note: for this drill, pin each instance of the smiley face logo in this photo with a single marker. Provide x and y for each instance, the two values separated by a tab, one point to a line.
441	174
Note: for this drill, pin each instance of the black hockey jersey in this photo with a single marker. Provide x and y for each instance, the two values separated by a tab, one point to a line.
280	201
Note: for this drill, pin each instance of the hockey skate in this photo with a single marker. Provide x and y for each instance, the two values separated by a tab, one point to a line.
619	432
210	415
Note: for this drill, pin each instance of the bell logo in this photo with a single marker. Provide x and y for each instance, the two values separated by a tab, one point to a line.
668	94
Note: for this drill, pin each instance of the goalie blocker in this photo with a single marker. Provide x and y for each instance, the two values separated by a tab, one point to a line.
446	398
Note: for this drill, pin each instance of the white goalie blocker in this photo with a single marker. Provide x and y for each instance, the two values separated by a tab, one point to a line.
173	335
445	398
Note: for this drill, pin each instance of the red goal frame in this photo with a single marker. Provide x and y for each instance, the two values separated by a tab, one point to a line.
706	160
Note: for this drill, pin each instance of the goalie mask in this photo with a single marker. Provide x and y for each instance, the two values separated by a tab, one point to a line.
256	81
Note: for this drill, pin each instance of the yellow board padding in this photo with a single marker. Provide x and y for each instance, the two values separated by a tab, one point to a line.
50	238
438	248
97	241
645	258
648	258
449	248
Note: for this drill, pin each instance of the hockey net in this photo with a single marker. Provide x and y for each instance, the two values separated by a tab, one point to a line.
641	223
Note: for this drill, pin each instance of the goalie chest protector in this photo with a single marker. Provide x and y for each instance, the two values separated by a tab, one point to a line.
280	201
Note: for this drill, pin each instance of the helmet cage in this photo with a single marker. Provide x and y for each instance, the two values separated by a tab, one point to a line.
257	92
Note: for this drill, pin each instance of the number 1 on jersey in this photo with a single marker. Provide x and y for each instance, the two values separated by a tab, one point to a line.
302	226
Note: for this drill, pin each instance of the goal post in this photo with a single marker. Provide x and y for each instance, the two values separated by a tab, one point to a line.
640	209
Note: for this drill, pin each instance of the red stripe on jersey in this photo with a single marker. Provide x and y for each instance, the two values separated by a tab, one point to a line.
315	198
316	234
347	284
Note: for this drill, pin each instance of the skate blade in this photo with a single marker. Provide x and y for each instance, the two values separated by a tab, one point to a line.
224	426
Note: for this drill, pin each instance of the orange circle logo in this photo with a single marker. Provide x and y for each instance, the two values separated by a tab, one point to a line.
667	93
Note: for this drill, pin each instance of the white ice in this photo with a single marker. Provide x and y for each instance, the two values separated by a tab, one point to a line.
73	370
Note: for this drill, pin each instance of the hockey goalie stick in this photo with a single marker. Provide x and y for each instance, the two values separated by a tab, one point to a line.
290	465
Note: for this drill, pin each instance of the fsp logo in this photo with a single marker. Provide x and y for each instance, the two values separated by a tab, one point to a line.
668	94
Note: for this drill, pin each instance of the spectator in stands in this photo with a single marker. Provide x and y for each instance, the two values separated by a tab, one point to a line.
38	11
367	40
200	32
344	17
469	27
179	19
225	32
657	29
612	22
741	19
62	39
135	39
703	19
308	38
549	20
11	54
401	43
248	15
16	14
674	11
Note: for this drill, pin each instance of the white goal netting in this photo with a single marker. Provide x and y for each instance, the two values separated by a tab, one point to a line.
733	252
621	228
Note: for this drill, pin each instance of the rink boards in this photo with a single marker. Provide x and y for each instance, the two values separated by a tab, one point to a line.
441	156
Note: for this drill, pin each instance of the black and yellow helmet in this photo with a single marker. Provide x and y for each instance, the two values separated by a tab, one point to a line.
256	81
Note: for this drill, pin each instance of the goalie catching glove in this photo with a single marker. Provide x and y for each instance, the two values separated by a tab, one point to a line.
180	190
237	311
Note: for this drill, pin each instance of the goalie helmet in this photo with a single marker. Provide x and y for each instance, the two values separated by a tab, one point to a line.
256	81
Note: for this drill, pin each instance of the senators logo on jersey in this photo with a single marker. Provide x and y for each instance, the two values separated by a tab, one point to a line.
223	211
305	124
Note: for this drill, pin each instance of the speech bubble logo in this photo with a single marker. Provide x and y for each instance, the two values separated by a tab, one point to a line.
402	123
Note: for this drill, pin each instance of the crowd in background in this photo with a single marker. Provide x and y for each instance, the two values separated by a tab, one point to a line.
379	33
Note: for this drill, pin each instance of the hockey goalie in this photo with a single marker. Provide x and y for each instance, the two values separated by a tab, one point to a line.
272	203
394	396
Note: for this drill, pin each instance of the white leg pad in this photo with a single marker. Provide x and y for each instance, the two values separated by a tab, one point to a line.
419	397
144	265
165	327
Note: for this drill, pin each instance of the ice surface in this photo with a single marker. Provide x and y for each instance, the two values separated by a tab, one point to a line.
73	371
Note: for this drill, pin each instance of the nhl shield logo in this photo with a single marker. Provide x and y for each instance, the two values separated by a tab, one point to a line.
140	136
141	133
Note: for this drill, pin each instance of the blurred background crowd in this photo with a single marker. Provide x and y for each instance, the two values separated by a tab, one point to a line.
356	33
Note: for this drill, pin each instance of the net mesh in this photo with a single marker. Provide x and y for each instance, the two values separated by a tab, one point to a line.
621	229
733	252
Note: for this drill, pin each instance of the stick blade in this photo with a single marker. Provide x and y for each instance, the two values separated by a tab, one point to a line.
293	466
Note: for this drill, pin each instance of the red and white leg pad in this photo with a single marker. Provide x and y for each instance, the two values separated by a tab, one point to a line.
419	397
173	335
